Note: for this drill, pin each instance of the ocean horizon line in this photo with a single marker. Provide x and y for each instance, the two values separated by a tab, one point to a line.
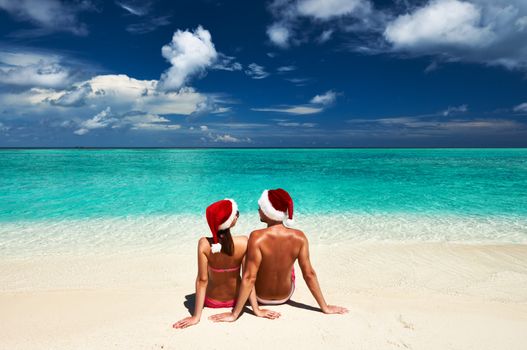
263	147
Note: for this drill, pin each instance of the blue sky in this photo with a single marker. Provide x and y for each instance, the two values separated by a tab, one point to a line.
439	73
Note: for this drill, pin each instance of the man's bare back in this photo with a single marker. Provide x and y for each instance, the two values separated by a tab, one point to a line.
280	247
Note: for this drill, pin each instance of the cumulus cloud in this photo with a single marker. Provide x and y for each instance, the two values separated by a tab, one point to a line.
288	15
256	71
438	24
190	54
48	15
480	31
120	93
490	32
34	69
124	93
325	99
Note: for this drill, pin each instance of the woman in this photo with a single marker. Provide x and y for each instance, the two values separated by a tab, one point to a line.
219	262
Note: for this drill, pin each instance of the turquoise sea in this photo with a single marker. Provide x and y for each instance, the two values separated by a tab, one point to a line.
62	195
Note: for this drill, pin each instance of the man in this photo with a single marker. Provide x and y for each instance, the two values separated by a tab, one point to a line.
271	254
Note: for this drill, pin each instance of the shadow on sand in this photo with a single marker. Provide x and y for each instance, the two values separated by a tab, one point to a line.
190	302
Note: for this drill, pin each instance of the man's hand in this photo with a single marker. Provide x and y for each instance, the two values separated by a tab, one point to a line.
333	309
270	314
224	317
186	322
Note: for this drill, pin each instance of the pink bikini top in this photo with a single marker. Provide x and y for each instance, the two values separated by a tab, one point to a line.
224	270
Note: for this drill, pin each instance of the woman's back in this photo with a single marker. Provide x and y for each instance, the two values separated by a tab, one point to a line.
224	270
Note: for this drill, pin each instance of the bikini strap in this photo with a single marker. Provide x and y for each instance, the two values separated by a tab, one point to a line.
224	270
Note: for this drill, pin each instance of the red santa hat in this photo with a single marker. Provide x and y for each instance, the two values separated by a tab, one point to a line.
277	205
220	216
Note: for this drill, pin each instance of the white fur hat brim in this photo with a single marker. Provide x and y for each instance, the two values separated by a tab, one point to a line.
269	210
230	220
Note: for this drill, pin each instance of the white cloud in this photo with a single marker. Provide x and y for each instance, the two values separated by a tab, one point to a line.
293	124
325	36
480	31
204	128
256	71
33	69
326	9
134	8
439	23
453	110
284	69
189	53
49	15
155	127
521	107
318	104
134	121
299	81
220	110
119	92
521	23
279	34
288	14
100	120
490	32
226	138
291	110
227	63
325	99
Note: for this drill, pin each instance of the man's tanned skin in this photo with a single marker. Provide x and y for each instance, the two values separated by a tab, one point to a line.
271	253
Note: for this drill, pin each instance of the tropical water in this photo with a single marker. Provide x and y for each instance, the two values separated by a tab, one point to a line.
65	199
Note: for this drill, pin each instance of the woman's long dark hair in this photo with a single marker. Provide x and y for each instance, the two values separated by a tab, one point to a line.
227	244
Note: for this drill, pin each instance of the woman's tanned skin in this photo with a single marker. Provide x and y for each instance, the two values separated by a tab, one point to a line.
220	286
271	253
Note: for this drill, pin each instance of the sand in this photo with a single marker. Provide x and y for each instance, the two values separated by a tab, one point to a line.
400	296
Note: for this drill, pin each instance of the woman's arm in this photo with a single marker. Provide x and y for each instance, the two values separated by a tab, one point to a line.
202	280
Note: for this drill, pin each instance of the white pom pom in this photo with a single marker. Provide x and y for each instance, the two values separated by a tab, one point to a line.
215	248
288	223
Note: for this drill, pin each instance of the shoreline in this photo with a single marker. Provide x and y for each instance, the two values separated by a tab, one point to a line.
400	295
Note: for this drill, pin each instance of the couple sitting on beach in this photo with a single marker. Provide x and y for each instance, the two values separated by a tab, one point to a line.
267	259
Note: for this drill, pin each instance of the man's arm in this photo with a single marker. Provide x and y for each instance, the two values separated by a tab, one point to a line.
311	279
254	301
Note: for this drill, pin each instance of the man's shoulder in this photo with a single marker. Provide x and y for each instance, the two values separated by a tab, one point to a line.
298	233
257	234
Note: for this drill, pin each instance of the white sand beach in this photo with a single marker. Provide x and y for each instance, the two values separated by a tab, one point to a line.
400	296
